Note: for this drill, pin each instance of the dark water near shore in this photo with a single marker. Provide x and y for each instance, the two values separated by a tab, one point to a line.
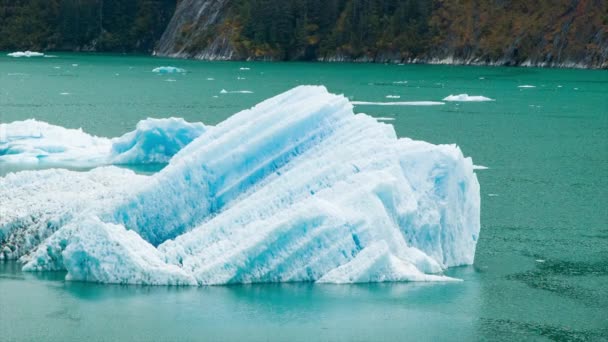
541	268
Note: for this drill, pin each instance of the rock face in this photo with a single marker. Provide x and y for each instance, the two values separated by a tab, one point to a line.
564	33
194	32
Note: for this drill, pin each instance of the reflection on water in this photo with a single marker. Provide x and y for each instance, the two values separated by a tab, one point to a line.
46	304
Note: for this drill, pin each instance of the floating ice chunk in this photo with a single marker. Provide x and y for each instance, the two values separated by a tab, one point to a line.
224	91
37	143
382	118
526	86
480	167
154	141
297	188
210	79
25	54
65	93
393	96
493	195
168	70
74	65
408	103
170	80
244	69
400	82
466	98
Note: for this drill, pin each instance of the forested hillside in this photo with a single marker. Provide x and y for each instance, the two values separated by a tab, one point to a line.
503	32
97	25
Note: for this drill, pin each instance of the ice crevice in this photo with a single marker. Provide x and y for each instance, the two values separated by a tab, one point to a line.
297	188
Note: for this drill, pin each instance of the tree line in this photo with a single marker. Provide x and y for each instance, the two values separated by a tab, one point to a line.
99	25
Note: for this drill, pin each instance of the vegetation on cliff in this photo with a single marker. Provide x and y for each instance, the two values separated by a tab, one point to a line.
507	32
100	25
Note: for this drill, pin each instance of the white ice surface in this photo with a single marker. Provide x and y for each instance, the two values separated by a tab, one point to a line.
168	70
403	103
467	98
297	188
37	143
28	54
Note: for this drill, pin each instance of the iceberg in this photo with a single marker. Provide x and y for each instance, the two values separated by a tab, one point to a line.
297	188
168	70
467	98
37	143
28	54
34	204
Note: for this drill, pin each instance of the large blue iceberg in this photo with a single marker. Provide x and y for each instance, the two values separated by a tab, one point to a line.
297	188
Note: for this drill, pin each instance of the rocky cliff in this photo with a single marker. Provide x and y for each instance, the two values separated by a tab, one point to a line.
562	33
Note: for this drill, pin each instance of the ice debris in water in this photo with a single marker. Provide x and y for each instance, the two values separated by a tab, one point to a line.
38	143
526	86
297	188
28	54
467	98
393	96
405	103
224	91
168	70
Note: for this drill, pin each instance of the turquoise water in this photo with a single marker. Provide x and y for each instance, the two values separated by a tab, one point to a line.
541	266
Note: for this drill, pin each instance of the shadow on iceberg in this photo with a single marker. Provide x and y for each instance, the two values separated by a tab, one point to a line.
297	188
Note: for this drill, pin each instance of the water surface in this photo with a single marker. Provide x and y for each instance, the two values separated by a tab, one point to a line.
541	266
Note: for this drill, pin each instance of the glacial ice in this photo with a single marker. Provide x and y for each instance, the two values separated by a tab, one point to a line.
37	143
28	54
402	103
168	70
297	188
467	98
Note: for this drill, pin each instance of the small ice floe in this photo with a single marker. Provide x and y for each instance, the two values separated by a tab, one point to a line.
482	78
467	98
575	88
210	79
526	86
382	118
480	167
50	56
493	195
400	82
540	260
407	103
74	65
244	69
170	80
393	96
64	94
241	78
168	70
215	96
27	54
56	67
224	91
559	86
